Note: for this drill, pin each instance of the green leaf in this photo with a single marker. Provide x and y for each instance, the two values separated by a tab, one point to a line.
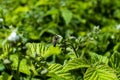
117	47
116	13
52	11
24	67
56	72
52	51
115	60
5	76
56	78
32	68
2	67
98	58
42	2
42	50
21	9
67	15
14	59
36	48
6	50
75	64
100	72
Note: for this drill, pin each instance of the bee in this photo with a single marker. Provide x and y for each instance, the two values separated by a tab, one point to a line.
55	40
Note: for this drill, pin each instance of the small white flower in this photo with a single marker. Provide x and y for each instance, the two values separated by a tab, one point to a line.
6	61
112	36
91	38
1	19
82	39
62	3
13	37
89	34
96	28
77	40
118	26
72	37
60	38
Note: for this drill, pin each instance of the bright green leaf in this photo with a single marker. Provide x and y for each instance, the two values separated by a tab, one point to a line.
100	72
14	59
56	72
67	15
76	64
42	2
21	9
24	67
52	51
98	58
42	49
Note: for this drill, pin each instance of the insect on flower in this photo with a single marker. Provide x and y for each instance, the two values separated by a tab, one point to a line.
56	39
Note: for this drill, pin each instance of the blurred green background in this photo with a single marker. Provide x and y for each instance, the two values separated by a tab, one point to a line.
39	20
86	26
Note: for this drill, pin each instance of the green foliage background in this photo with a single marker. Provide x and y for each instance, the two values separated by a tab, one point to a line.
89	46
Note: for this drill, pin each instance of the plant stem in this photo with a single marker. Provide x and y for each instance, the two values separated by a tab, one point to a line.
75	51
17	72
